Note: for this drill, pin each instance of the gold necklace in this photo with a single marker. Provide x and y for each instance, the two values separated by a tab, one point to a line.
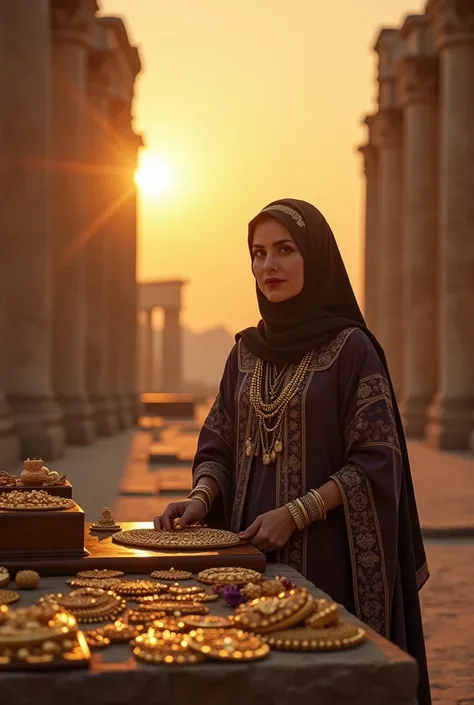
271	414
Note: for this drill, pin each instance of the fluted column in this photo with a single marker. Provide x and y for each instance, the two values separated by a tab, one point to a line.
369	153
72	26
99	272
171	375
26	221
389	188
452	411
418	83
9	444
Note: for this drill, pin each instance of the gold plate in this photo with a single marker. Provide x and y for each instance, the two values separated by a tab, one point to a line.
229	576
228	645
191	538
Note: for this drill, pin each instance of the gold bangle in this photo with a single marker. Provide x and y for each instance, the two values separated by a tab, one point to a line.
321	504
312	507
296	515
203	501
303	511
207	491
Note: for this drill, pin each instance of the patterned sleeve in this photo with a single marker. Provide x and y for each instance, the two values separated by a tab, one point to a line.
215	452
370	480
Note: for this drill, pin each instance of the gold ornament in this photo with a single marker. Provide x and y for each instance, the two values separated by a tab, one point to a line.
53	479
326	613
7	480
209	621
138	588
9	597
268	614
191	591
4	577
176	608
33	500
118	633
106	522
335	638
96	640
166	648
229	576
90	604
228	645
100	574
34	472
27	579
171	574
170	624
105	584
144	617
267	588
194	538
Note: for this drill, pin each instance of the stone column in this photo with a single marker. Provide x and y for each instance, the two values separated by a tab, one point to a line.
9	443
389	315
171	372
99	271
418	79
26	221
452	411
369	153
72	26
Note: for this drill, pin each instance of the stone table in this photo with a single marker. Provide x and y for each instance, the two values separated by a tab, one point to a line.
374	673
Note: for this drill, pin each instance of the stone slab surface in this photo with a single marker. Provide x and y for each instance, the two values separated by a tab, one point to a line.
376	673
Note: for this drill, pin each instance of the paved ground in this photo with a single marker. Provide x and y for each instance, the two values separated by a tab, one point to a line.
116	472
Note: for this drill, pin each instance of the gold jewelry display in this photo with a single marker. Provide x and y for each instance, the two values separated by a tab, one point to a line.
266	588
33	500
9	597
171	649
190	538
335	638
270	415
139	588
230	576
7	480
38	635
326	614
27	579
100	574
4	577
106	522
92	604
144	617
172	574
106	584
268	614
228	645
209	621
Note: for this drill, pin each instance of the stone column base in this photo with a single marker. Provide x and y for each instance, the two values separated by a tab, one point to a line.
78	420
38	422
450	423
414	416
104	414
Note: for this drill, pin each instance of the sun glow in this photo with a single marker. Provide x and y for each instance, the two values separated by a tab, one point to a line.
153	176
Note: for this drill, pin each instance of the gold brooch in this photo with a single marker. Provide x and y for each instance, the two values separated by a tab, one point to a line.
228	645
231	576
268	614
335	638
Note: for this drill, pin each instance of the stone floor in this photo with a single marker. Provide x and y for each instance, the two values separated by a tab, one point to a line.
117	473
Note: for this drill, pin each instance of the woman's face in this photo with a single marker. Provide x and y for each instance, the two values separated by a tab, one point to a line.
277	263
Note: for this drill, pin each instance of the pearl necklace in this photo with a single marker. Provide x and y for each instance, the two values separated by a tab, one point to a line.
273	412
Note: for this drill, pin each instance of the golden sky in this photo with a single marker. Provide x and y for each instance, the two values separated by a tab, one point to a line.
247	102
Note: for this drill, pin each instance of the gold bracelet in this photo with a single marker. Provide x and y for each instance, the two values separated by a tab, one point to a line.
303	511
203	501
321	504
296	515
312	507
207	491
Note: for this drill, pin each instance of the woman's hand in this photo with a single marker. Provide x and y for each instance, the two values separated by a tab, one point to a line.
270	531
190	511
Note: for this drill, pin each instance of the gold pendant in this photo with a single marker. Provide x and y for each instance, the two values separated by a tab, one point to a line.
250	449
266	458
273	456
278	446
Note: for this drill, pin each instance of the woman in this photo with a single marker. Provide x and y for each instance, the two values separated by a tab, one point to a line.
303	452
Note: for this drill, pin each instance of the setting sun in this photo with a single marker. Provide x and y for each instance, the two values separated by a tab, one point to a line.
153	175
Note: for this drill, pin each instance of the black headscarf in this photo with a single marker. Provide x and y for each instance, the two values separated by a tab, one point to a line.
325	306
289	329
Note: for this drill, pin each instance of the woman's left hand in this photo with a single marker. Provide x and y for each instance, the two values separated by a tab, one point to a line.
270	531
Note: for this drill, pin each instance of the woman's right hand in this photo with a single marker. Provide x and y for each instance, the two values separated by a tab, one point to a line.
189	511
